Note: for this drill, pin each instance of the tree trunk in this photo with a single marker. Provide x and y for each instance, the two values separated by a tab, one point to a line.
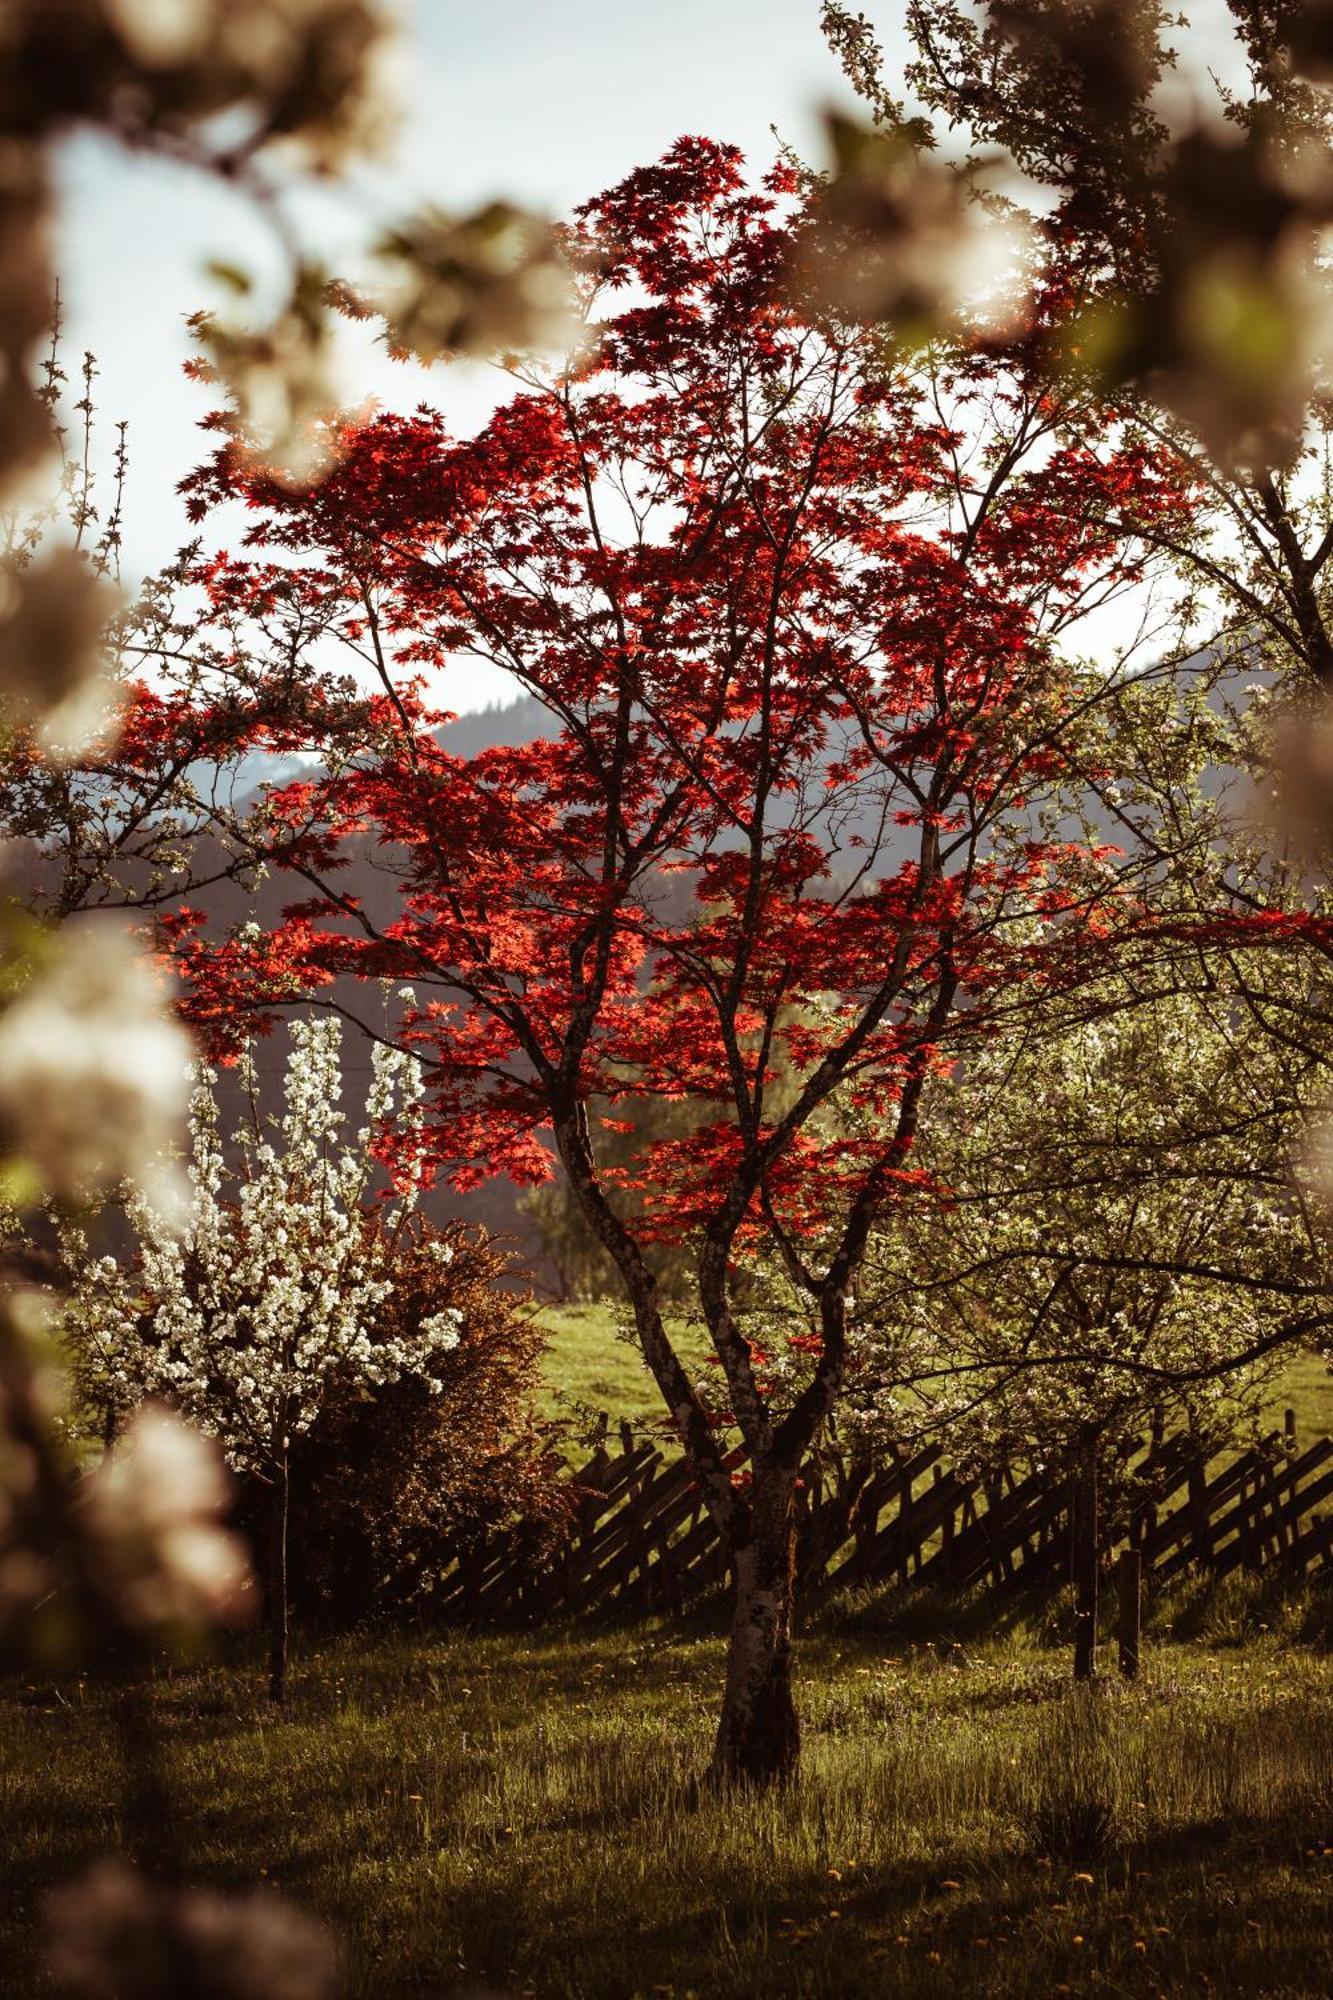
759	1737
277	1584
1083	1562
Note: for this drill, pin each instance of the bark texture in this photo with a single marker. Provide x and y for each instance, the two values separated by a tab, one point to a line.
1129	1611
759	1735
277	1587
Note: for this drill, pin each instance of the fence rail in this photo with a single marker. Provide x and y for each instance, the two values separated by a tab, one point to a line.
640	1538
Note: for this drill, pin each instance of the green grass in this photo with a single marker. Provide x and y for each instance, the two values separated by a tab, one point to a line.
523	1813
588	1366
1307	1388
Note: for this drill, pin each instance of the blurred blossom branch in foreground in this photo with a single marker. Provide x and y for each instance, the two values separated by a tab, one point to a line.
53	619
902	238
105	1566
155	1505
481	284
115	1936
93	1072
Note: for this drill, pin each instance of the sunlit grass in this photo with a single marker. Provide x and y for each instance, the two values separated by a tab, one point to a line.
587	1365
527	1812
1306	1386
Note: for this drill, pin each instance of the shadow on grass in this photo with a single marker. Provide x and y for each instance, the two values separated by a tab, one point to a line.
1210	1907
1236	1609
925	1615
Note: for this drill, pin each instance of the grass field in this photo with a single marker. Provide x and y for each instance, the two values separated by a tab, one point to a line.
521	1815
1307	1388
588	1366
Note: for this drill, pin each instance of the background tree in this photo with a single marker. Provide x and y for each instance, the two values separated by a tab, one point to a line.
1178	192
583	1266
1178	195
1120	1245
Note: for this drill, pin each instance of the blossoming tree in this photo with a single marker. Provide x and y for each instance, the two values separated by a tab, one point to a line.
1121	1243
272	1289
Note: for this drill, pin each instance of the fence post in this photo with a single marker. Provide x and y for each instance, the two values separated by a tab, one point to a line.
1083	1561
1282	1540
1129	1611
904	1523
1200	1524
1248	1506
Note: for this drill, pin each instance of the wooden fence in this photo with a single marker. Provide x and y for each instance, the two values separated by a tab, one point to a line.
641	1540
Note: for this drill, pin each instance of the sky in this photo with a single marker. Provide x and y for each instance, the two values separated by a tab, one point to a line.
542	101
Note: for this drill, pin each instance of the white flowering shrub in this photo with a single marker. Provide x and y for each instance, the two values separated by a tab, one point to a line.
274	1287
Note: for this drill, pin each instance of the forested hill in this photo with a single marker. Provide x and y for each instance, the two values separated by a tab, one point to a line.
518	721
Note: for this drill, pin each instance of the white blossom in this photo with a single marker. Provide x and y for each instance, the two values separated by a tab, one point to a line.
93	1070
53	619
242	1318
154	1505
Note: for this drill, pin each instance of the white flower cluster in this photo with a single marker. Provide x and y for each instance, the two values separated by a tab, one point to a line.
114	1932
93	1070
274	1285
155	1505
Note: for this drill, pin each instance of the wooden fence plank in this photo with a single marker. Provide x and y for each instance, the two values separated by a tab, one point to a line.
641	1539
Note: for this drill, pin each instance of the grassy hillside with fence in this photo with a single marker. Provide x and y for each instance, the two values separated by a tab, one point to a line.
523	1813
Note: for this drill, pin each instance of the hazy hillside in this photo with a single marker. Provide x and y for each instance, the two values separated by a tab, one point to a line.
497	1203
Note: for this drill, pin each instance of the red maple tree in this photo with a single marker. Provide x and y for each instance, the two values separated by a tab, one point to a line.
796	608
